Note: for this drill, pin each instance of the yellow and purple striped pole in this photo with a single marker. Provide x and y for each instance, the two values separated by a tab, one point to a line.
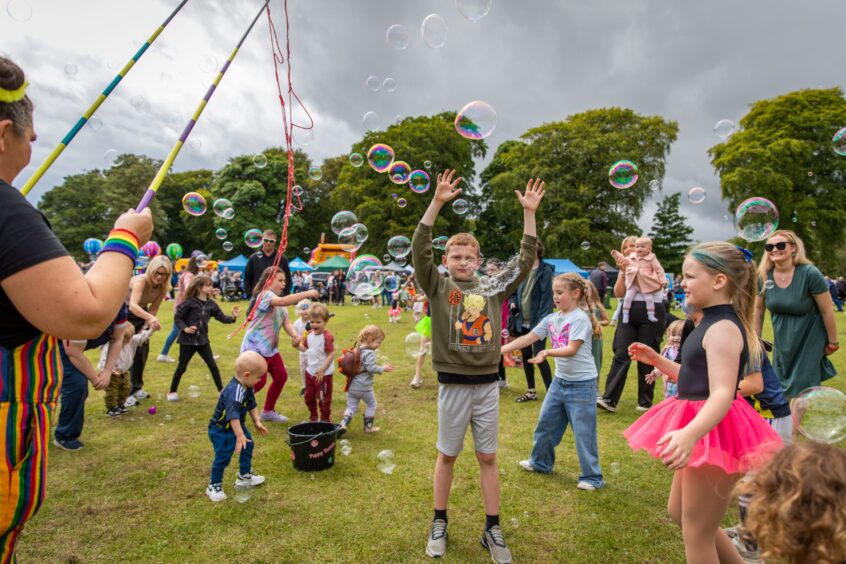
160	176
33	180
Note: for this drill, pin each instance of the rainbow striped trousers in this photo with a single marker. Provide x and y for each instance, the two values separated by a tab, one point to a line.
30	382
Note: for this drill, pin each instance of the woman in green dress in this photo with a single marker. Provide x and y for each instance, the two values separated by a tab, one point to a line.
802	313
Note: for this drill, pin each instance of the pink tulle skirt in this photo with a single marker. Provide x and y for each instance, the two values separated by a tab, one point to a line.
740	442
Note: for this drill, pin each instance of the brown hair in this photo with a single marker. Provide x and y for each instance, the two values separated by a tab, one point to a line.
20	113
318	311
797	511
192	266
193	289
370	333
576	282
799	257
268	272
463	239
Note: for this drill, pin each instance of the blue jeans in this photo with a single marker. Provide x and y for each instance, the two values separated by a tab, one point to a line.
171	337
74	393
573	403
224	446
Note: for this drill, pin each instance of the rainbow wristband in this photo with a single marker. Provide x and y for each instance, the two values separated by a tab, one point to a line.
122	241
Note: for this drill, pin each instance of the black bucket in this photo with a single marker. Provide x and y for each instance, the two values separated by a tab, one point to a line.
312	445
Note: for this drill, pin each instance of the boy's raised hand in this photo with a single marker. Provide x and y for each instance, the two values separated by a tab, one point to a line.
531	199
446	189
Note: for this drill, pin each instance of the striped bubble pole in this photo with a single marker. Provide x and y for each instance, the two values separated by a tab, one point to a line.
160	176
33	180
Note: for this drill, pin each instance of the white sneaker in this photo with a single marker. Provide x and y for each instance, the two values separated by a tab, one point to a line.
130	402
215	492
586	486
172	396
273	416
141	394
527	465
250	480
165	358
416	381
216	356
641	408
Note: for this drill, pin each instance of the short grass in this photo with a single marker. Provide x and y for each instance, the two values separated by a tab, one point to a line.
135	493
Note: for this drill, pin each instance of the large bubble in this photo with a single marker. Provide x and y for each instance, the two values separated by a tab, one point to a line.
364	283
397	37
439	243
343	220
194	203
724	128
819	413
112	158
460	206
497	276
361	232
371	121
756	219
838	142
399	246
476	120
220	206
399	172
348	237
416	344
259	160
356	159
419	181
252	238
434	31
696	195
622	174
473	10
380	157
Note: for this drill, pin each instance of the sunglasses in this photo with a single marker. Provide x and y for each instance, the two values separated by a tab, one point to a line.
160	273
781	245
268	240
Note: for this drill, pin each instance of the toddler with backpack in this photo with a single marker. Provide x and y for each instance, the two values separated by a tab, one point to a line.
359	365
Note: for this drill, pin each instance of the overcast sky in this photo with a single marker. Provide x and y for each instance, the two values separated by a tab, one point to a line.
535	61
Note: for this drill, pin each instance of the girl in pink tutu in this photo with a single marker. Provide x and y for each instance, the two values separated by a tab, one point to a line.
708	434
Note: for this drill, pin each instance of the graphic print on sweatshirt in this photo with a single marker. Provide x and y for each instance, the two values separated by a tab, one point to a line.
471	328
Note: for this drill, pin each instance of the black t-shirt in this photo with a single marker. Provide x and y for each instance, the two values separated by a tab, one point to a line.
26	239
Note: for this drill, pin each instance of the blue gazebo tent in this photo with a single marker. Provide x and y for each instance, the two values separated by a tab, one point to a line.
238	263
299	265
563	266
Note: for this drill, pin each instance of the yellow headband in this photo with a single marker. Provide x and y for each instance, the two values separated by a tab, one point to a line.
11	96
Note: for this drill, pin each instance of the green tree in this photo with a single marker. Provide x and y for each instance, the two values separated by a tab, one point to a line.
573	157
783	152
370	194
309	223
670	234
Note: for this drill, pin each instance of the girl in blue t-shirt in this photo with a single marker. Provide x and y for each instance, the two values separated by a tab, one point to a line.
571	398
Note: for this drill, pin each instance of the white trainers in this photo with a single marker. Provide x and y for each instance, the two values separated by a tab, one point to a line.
273	416
416	381
165	358
130	402
527	465
172	396
250	480
141	394
215	492
586	486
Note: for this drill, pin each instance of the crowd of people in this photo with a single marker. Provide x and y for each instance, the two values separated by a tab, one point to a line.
725	404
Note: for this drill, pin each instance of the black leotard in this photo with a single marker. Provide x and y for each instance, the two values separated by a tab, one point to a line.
693	374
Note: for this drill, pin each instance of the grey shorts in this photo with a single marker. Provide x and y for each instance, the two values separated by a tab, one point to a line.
460	405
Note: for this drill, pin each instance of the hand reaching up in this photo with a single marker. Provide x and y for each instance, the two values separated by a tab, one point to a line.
446	189
531	199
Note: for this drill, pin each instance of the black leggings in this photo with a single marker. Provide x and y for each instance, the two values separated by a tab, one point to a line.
185	354
529	369
139	361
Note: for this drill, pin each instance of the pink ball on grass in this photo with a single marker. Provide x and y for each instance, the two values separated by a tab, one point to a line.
152	410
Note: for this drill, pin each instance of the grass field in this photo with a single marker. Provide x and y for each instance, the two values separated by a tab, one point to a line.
135	493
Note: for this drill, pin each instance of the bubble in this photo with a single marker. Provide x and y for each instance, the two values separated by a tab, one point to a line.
386	257
439	243
401	261
399	172
228	246
394	196
473	10
585	245
810	174
390	84
371	121
344	442
303	137
813	224
365	284
401	202
306	250
195	144
356	159
838	142
622	174
724	128
342	220
399	246
696	195
794	218
361	232
515	524
755	219
19	10
194	203
460	206
202	261
112	158
346	450
349	238
434	31
380	157
654	185
71	69
259	160
220	233
315	173
819	413
174	251
427	165
95	123
497	276
252	238
297	190
615	467
193	391
414	346
242	493
476	120
419	181
229	213
769	284
397	37
373	83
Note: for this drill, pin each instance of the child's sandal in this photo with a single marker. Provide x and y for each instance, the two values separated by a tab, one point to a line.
528	396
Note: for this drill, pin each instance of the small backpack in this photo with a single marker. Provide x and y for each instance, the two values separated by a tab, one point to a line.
349	363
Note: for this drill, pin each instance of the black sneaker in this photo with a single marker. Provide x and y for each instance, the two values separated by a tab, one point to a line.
68	445
123	409
114	412
302	392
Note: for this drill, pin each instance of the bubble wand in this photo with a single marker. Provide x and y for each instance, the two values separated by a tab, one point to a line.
157	181
39	172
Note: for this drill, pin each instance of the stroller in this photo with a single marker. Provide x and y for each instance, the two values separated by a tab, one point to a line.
229	290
